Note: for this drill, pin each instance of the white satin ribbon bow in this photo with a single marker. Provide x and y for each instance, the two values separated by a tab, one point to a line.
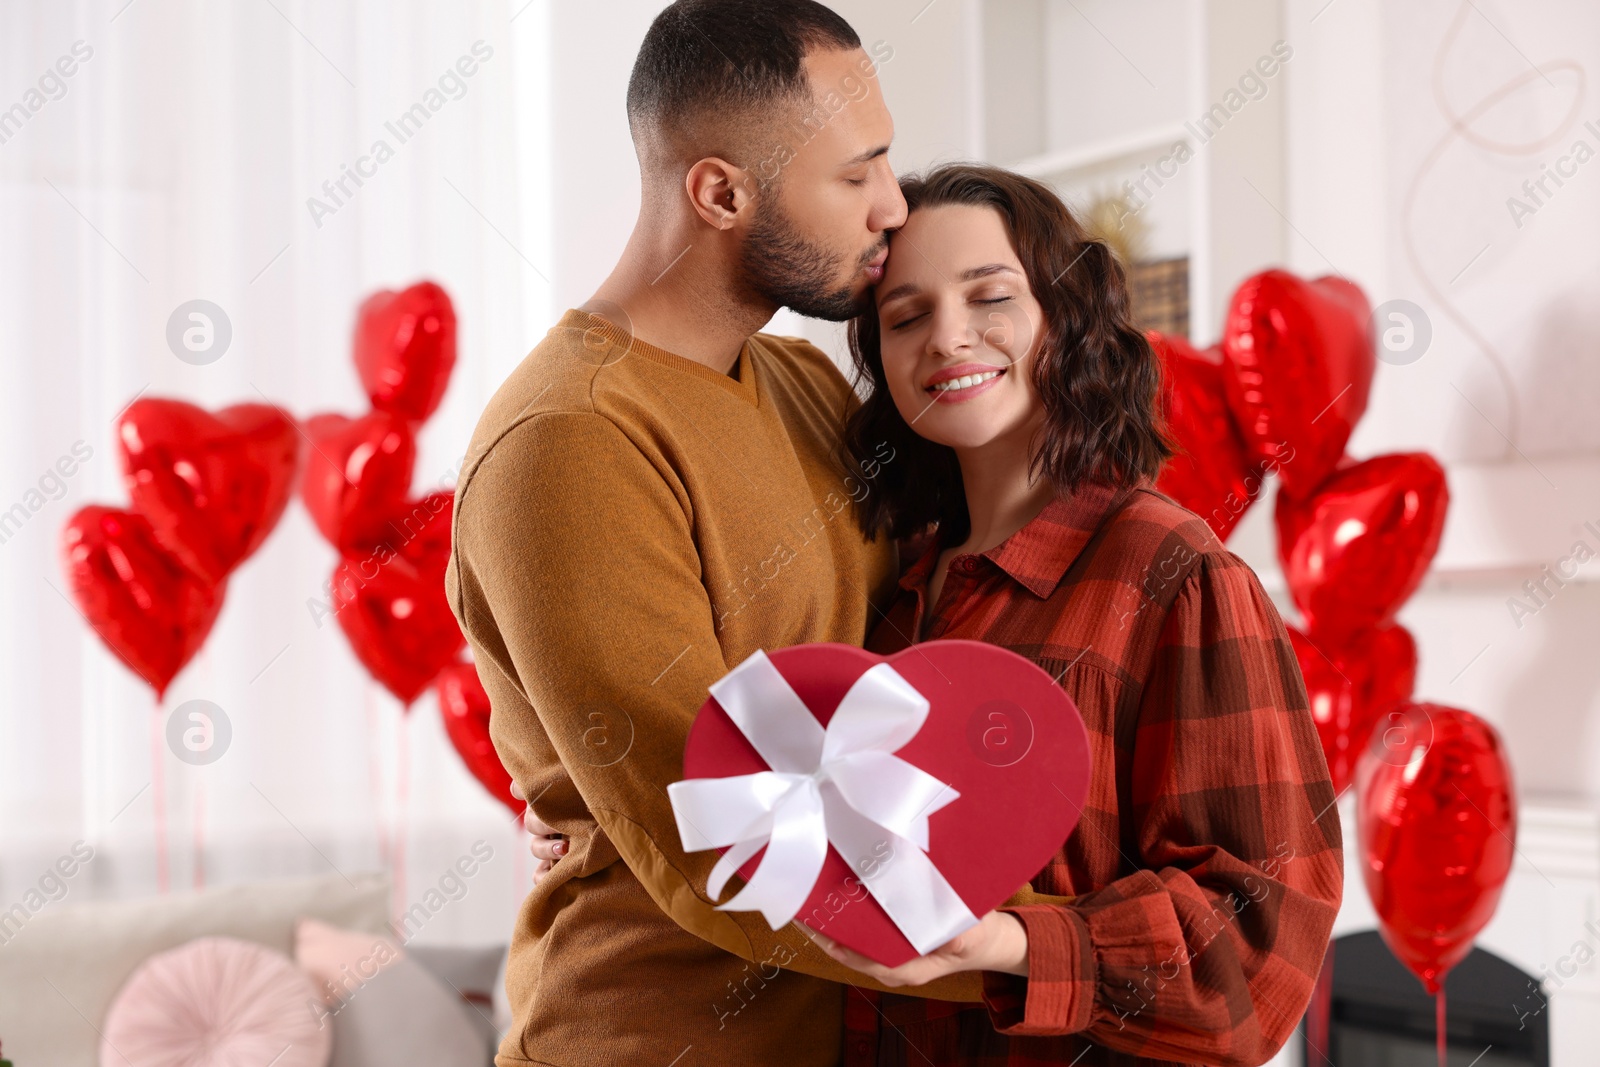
842	785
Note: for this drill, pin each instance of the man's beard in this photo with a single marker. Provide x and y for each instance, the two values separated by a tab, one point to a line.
781	266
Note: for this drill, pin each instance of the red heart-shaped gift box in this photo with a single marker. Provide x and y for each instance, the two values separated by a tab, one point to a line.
999	730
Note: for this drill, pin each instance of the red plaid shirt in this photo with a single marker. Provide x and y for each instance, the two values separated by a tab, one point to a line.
1186	917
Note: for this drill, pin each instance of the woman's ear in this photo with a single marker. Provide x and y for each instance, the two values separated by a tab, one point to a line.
722	194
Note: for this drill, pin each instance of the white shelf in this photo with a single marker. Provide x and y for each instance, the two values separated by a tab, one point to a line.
1505	523
1104	153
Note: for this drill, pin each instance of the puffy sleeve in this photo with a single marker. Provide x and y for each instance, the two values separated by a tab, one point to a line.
1209	948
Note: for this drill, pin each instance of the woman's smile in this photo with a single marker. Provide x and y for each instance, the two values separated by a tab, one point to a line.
953	385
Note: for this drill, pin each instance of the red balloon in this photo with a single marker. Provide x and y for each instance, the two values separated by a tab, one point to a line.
1299	362
392	606
1351	688
212	486
357	477
1210	474
405	349
1357	548
148	608
1437	820
421	529
465	707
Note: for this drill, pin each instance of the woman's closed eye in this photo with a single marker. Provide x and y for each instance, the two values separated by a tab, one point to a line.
911	318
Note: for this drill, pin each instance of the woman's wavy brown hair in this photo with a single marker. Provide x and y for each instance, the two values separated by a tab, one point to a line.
1094	371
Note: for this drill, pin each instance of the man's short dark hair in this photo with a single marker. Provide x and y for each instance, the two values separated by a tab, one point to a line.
724	58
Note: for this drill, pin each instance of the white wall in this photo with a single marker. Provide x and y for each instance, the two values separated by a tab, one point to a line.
1382	190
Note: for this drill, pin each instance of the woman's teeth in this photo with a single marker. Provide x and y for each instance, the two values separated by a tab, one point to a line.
964	383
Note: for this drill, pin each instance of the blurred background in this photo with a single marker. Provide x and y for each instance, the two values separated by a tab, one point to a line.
193	154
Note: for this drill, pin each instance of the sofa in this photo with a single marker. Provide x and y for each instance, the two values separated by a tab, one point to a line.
68	970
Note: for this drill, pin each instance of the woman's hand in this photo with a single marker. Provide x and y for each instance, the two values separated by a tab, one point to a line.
546	845
998	943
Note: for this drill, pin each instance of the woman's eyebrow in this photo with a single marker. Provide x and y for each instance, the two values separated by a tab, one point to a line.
911	289
983	272
907	289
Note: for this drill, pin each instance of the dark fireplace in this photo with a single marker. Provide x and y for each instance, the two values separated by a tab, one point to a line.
1382	1017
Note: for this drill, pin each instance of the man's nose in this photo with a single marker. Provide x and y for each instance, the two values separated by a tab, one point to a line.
890	211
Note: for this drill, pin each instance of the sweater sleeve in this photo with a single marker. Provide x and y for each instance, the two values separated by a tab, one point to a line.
577	576
1208	948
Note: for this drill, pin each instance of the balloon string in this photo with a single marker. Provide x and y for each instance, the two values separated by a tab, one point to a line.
1438	1025
402	791
375	779
158	794
200	834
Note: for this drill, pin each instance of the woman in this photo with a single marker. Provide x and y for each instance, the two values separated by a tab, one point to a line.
1187	915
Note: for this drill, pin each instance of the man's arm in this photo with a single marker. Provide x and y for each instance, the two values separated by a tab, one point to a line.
575	562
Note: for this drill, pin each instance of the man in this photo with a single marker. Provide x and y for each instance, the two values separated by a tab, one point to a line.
653	495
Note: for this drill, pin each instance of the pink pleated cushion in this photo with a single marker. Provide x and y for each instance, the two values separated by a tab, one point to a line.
216	1002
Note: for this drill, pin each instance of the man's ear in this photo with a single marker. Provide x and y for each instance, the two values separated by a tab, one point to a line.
720	192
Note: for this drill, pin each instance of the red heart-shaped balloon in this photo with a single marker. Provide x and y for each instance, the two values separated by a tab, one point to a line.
405	348
1351	688
1210	474
212	486
1353	551
357	477
392	606
1437	820
465	707
1299	363
148	608
999	730
420	530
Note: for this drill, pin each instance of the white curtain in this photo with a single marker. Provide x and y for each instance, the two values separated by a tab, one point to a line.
175	162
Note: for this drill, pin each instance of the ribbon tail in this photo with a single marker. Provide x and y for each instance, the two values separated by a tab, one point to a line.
899	875
795	854
730	863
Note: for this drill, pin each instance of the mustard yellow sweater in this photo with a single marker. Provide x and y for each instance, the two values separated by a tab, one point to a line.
629	525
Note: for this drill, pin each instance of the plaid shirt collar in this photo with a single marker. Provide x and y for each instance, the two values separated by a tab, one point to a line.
1038	555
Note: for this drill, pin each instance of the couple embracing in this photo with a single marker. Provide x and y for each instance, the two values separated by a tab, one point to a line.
658	490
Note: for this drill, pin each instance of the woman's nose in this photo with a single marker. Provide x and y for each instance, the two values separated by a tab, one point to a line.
951	330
